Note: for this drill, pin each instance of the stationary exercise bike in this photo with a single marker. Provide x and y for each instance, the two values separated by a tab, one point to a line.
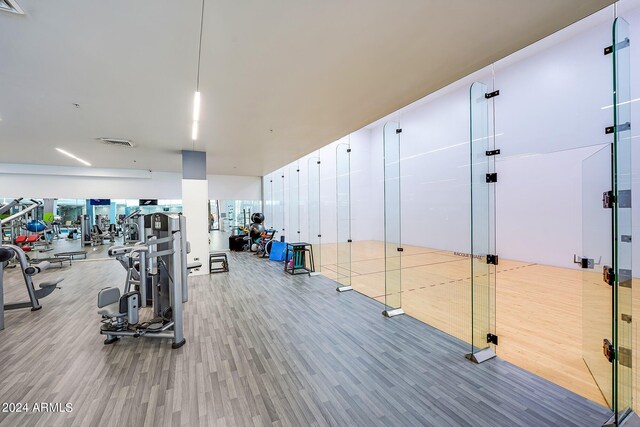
265	242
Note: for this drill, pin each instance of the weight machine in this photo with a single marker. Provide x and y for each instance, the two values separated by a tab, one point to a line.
162	260
7	252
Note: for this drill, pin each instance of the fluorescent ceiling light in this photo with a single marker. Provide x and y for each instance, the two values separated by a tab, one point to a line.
194	130
66	153
196	106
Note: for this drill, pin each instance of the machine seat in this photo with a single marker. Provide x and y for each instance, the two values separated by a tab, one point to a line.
111	310
51	283
111	304
192	265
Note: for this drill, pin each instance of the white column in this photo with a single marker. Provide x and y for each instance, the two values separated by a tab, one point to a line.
195	207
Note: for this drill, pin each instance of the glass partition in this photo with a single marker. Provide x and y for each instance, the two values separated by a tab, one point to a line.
392	220
294	203
607	240
622	323
315	234
343	217
596	251
483	258
546	126
70	210
268	202
278	202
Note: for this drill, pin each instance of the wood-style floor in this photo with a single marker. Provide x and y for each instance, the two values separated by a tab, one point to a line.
263	348
539	308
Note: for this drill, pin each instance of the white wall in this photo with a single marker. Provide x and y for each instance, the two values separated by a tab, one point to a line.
228	187
40	181
160	185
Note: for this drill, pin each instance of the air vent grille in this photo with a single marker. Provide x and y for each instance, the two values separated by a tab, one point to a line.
11	6
116	141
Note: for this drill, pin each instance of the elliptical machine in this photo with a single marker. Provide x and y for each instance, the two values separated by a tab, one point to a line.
162	260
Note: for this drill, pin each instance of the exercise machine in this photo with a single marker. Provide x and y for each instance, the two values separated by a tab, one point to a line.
132	227
7	252
134	260
7	207
5	256
99	235
13	224
85	230
56	227
162	259
265	242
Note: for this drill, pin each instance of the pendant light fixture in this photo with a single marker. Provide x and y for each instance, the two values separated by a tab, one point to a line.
196	95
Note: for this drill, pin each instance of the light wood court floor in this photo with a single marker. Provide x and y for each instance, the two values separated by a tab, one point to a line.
539	308
263	348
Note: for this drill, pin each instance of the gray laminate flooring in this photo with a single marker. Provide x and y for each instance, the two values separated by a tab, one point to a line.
263	348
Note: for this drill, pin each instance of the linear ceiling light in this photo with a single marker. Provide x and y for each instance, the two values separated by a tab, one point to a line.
66	153
196	95
196	116
196	106
194	130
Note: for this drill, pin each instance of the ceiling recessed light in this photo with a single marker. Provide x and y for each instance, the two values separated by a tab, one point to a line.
66	153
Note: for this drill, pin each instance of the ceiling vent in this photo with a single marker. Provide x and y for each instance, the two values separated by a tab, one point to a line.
11	6
116	141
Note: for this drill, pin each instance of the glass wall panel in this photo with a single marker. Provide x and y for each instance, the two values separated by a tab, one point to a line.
343	216
596	252
294	203
546	125
314	233
70	210
268	201
482	229
436	220
235	216
278	202
623	330
214	215
392	220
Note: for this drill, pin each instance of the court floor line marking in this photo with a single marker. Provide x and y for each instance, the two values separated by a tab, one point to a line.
443	283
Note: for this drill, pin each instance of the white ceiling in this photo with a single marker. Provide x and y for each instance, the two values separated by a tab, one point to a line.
279	78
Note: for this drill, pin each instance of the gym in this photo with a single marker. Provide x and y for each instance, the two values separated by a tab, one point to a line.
319	213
